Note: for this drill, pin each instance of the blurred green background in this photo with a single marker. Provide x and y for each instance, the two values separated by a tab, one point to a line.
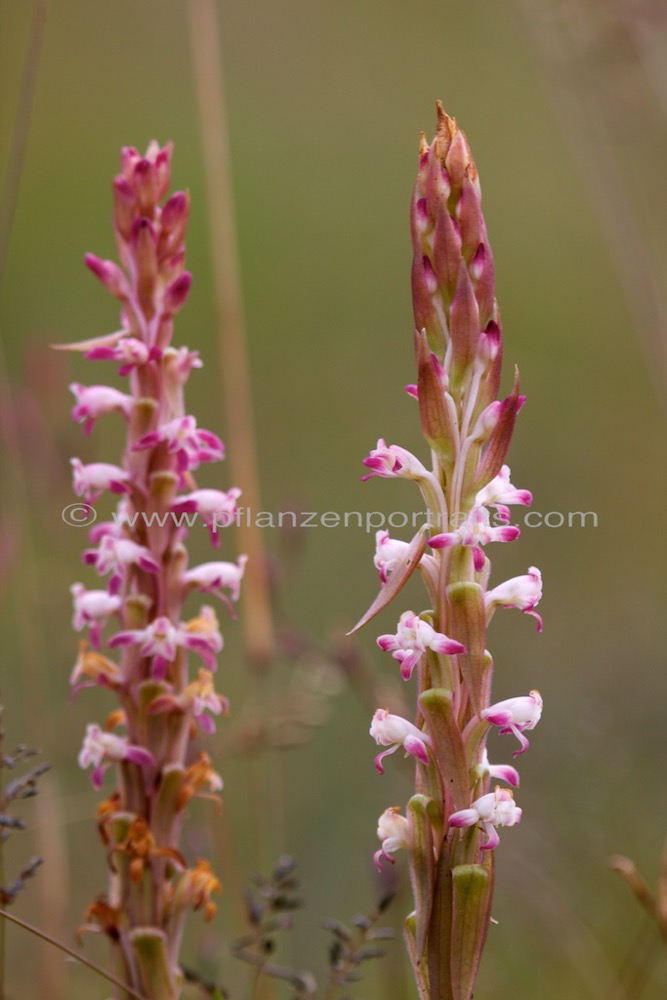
326	102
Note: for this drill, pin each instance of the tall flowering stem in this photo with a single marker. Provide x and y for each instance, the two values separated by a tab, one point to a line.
138	644
450	825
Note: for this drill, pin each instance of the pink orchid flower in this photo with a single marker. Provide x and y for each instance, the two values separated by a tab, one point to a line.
90	481
161	640
93	401
393	830
199	697
393	731
523	592
505	772
475	532
101	749
212	577
514	715
413	638
497	808
388	552
115	554
183	438
93	608
500	492
217	508
394	462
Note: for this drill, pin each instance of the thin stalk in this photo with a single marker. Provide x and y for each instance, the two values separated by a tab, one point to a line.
72	954
30	639
256	614
19	138
209	84
26	587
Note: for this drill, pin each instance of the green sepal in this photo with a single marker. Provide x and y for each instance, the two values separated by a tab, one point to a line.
472	888
422	867
137	607
118	828
439	667
440	931
468	618
167	805
163	489
436	704
143	418
476	735
418	966
150	949
149	691
155	726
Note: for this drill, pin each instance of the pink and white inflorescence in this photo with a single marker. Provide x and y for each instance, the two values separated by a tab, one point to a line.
141	560
451	824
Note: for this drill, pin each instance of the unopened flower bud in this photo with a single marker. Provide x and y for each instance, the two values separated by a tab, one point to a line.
176	293
145	184
110	275
125	206
173	222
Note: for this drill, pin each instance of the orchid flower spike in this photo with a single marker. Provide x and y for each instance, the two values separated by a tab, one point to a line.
393	830
467	492
497	808
514	715
393	731
142	549
413	638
